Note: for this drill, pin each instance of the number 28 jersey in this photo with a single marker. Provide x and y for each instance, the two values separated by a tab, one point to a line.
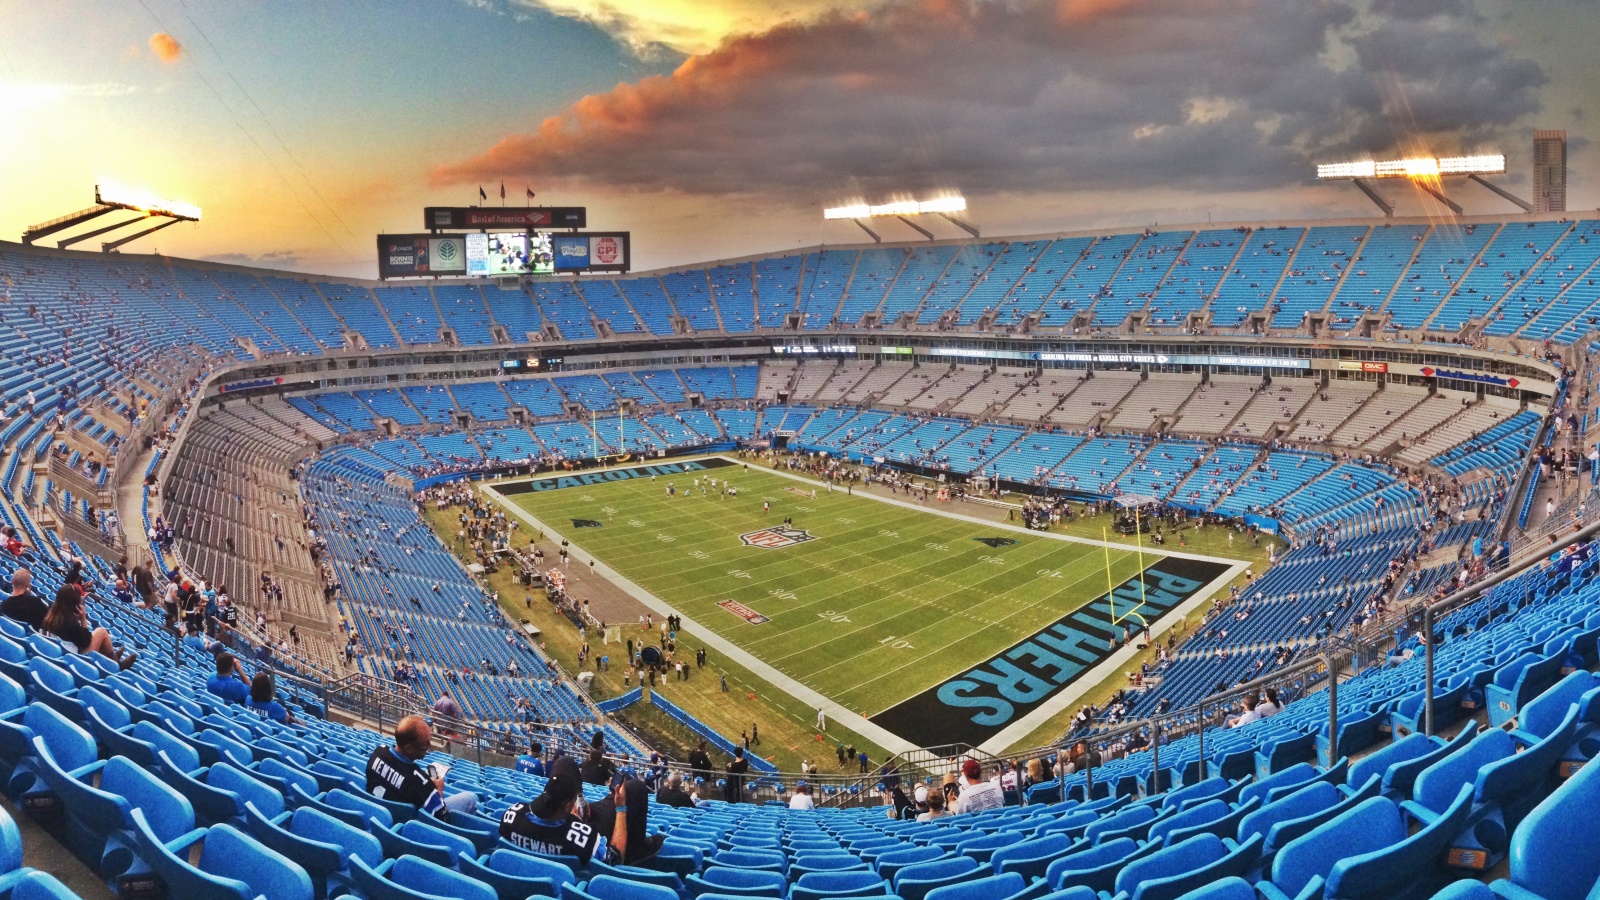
557	837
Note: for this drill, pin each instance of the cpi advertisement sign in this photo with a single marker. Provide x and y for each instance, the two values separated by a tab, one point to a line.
592	252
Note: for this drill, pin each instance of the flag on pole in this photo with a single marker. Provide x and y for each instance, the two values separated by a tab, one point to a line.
530	193
502	190
482	195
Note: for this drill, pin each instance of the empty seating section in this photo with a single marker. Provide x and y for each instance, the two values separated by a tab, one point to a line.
537	395
1216	475
650	302
253	296
691	296
1097	396
391	404
872	435
609	306
1383	409
777	289
1156	396
737	424
412	311
352	413
1561	290
874	272
967	268
1040	280
466	313
664	384
1195	275
1158	472
307	306
483	399
1279	475
1515	249
711	383
923	267
1276	404
564	308
809	377
1255	275
745	381
992	289
1445	257
513	309
1374	272
627	386
921	444
590	391
506	444
822	285
1314	272
1095	466
1136	282
997	387
1214	405
433	401
1031	459
775	378
360	313
733	290
956	382
570	440
1087	280
1329	408
1499	448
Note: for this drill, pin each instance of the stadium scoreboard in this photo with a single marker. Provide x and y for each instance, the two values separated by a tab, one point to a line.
502	253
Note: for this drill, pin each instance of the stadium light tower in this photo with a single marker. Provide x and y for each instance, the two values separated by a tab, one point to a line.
904	210
109	199
1426	172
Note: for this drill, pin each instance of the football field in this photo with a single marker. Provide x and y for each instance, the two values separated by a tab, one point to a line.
896	613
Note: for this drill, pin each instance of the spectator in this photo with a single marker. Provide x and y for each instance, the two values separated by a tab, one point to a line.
533	762
393	773
23	604
700	761
802	797
1270	706
673	794
936	807
629	800
228	683
977	795
548	824
733	787
69	621
597	769
264	700
898	804
446	706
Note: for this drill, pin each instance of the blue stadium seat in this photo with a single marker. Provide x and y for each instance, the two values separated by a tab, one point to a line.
231	865
410	878
825	885
321	844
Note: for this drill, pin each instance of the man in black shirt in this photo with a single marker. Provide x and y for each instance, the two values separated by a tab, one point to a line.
393	773
700	761
547	824
733	792
23	604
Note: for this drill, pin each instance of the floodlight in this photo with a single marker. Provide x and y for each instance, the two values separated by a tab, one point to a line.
1415	167
897	208
143	201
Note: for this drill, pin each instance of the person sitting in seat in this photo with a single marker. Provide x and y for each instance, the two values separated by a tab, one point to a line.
228	683
549	824
23	604
673	794
68	620
264	700
393	773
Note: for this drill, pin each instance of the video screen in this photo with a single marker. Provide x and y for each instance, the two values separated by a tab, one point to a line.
509	253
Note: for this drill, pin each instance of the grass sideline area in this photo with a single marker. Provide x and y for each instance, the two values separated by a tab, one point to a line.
788	727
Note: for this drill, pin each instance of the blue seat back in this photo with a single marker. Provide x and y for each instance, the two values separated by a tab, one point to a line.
227	777
432	880
1436	787
179	751
1371	825
1301	803
169	812
343	799
70	746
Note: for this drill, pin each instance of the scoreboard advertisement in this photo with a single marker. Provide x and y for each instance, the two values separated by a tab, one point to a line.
504	253
529	218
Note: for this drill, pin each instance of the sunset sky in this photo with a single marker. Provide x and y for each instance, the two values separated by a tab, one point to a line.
718	128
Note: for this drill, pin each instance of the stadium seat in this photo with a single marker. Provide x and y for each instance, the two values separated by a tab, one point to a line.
321	844
410	878
231	865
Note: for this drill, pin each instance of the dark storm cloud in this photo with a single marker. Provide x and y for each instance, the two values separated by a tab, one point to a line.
1033	95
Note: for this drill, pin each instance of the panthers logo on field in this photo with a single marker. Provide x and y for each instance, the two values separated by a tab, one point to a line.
776	537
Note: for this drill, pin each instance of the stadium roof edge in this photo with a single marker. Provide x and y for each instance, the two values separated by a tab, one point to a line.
1569	215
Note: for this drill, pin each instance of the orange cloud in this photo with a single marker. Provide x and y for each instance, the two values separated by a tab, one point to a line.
165	47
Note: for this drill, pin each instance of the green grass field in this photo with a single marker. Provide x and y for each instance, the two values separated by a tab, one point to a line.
883	603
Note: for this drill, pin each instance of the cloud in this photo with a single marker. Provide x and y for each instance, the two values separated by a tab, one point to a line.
1031	95
685	26
276	259
165	47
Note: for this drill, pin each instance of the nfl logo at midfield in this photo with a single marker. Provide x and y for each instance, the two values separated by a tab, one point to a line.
777	537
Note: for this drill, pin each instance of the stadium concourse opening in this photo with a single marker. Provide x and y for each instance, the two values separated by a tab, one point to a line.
911	624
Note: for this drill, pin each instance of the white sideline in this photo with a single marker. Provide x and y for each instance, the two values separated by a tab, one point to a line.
835	711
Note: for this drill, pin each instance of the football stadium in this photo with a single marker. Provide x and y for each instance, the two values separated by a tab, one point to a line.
636	539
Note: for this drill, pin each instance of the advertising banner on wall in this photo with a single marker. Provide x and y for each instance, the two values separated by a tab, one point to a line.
403	255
